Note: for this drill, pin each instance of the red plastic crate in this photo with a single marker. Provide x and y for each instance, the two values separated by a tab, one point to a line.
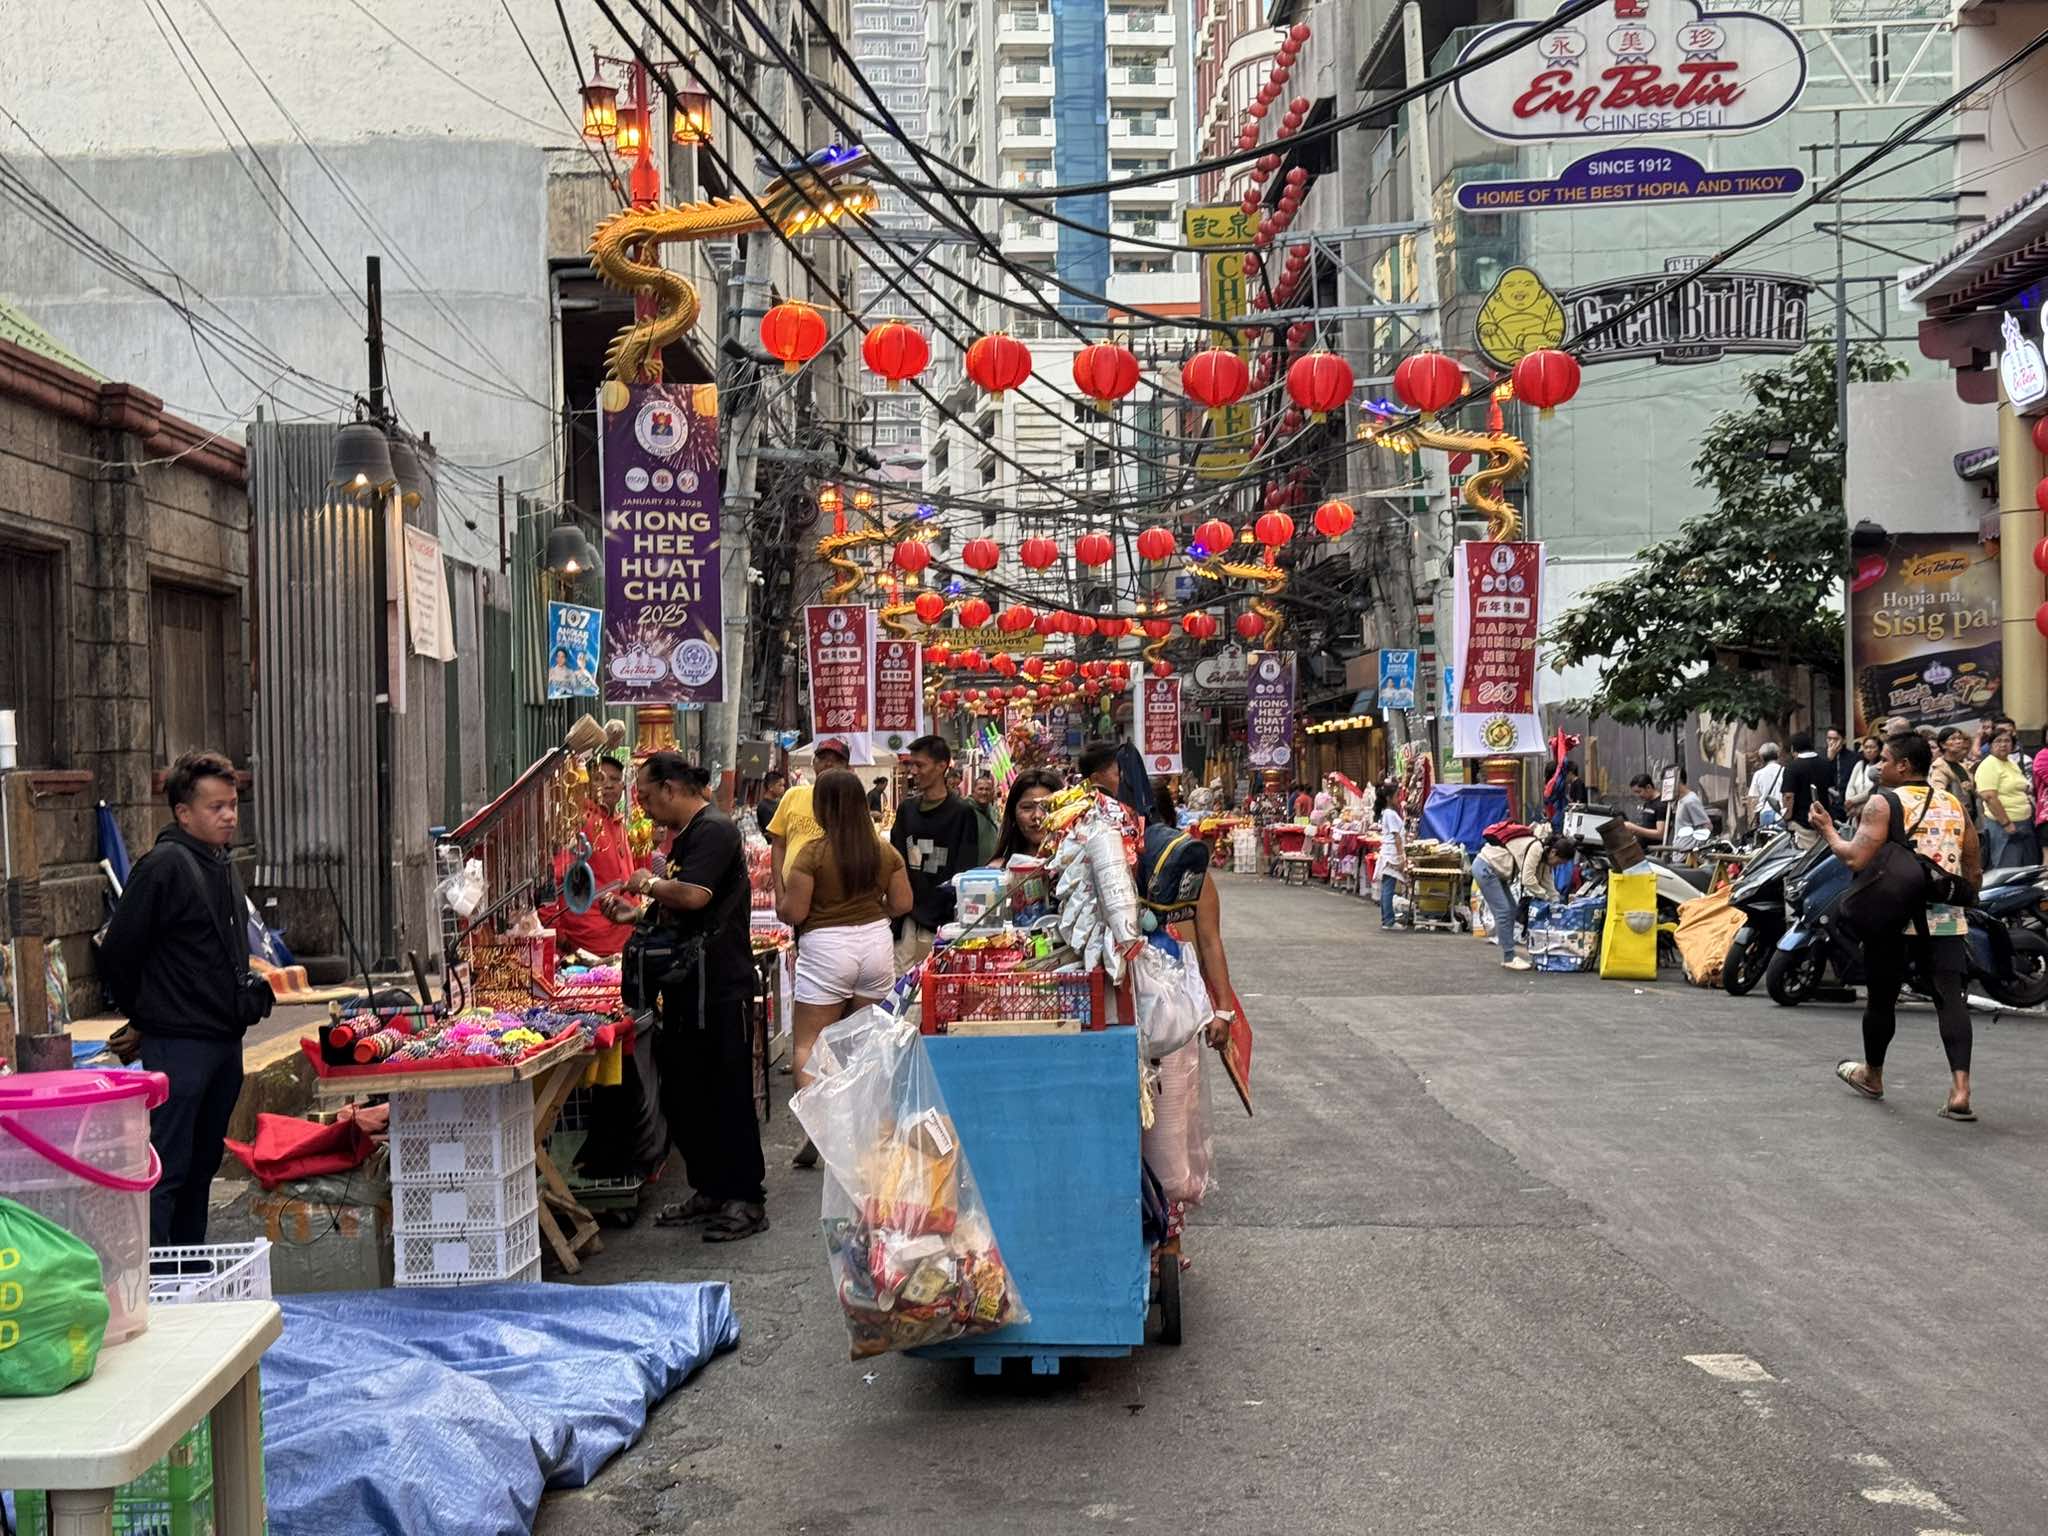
950	998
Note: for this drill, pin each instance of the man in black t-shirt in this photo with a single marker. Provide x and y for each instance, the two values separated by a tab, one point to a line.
705	1048
1646	818
938	835
1806	775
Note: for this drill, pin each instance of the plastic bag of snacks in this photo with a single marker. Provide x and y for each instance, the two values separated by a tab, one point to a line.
53	1308
913	1257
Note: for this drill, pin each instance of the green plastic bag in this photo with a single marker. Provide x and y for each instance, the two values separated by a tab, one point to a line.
53	1305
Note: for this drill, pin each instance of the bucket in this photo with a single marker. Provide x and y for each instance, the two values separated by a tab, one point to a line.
74	1146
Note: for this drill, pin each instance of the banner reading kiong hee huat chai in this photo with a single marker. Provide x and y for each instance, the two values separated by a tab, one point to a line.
663	607
1269	708
1156	720
1499	613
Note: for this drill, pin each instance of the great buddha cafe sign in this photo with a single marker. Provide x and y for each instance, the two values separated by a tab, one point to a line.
1634	67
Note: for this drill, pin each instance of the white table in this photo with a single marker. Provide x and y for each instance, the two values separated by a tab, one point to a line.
88	1440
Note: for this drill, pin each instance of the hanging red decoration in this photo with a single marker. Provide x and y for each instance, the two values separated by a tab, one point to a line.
949	697
1198	625
1250	625
2041	433
1162	668
1320	383
1158	629
913	555
1546	379
1215	377
1063	669
930	607
2041	556
2041	495
981	555
997	363
1048	623
1084	625
1113	628
1038	553
974	613
1429	381
895	351
1016	619
1093	549
1033	667
1093	690
2041	619
1215	536
1155	544
1003	666
794	332
1273	529
1105	373
1334	519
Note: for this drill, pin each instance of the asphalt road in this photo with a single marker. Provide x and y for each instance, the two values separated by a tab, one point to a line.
1500	1254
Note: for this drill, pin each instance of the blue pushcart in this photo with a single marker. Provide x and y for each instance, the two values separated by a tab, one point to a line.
1049	1124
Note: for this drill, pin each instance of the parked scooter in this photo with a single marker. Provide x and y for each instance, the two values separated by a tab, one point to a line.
1758	893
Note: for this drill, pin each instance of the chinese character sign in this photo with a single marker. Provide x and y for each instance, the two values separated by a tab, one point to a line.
1397	679
899	694
836	654
663	606
1500	610
1156	719
574	637
1269	708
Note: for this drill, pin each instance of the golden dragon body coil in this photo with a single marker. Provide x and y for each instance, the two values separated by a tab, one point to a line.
1507	457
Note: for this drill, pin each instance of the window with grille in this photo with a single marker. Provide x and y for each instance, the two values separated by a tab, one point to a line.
29	647
192	637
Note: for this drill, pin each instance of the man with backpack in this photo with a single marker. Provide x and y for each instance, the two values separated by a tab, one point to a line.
1917	864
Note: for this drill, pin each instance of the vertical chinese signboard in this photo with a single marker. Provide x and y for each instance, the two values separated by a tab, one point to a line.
1499	612
1226	295
1269	708
1924	633
836	655
899	694
663	606
1156	720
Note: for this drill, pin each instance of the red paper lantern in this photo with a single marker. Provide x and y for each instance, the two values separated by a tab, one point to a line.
938	655
1105	372
998	363
1429	381
1320	383
1250	625
1546	378
1113	628
1158	629
1094	549
949	697
2041	495
1033	667
1084	624
1215	536
2041	433
1093	690
913	555
2041	556
1273	529
981	555
1063	669
1044	691
2041	619
1038	553
930	607
974	613
972	661
1215	377
1155	544
1198	625
895	351
1334	519
794	332
1016	619
1003	666
1048	623
1162	668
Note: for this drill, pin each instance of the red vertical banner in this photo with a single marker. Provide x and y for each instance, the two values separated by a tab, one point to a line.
1500	613
1156	721
838	657
899	694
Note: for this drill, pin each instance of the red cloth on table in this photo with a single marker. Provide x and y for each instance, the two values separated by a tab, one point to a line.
287	1149
611	860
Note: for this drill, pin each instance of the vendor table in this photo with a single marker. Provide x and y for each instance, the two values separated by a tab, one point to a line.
555	1071
88	1440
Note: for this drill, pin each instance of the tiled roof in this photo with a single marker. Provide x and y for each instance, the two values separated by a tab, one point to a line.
24	332
1968	268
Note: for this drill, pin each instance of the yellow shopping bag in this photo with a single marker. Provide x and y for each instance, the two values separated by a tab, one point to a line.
1628	944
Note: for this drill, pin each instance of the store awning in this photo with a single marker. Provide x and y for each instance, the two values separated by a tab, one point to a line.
1990	264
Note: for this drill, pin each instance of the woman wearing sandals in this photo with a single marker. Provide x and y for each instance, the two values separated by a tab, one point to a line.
839	893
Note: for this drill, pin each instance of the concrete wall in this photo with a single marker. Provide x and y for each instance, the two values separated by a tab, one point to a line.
2012	116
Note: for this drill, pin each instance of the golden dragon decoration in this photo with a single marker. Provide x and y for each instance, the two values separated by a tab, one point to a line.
1268	575
1507	457
625	249
835	550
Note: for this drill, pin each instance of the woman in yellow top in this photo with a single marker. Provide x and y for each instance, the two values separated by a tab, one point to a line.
2009	804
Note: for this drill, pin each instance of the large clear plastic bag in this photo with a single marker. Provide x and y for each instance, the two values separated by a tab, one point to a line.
1178	1146
1170	1012
914	1260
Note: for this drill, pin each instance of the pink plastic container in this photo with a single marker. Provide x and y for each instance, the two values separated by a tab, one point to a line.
75	1147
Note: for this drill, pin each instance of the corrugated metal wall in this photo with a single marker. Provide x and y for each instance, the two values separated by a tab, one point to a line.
541	722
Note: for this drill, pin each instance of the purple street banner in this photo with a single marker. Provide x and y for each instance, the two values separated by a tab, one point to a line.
899	694
1269	708
663	607
1616	177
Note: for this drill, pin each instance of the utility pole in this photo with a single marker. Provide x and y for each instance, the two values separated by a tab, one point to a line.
388	639
1431	548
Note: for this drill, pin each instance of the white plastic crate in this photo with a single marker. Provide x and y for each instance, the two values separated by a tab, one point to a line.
213	1272
436	1110
466	1258
458	1149
451	1207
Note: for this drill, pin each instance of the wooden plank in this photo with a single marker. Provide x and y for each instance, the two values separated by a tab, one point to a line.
986	1027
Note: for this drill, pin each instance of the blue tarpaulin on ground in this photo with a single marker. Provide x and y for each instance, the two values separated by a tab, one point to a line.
450	1410
1458	813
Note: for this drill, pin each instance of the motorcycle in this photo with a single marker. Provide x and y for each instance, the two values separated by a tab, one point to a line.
2009	963
1758	893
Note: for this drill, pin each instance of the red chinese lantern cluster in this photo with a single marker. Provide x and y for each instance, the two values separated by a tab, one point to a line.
998	363
1016	619
1093	549
1546	379
1334	519
1429	381
895	351
1215	536
1319	384
1105	373
794	332
1283	66
1155	544
1215	377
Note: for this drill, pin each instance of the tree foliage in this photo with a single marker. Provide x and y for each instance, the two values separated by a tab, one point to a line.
1721	616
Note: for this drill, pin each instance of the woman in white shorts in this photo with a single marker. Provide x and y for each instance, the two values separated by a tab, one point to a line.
839	893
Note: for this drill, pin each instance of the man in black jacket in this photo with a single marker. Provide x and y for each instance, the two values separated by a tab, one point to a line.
176	958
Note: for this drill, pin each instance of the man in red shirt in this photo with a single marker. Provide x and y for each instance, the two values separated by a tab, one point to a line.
604	929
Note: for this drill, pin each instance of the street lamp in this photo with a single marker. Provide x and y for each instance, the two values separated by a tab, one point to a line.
632	128
600	111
